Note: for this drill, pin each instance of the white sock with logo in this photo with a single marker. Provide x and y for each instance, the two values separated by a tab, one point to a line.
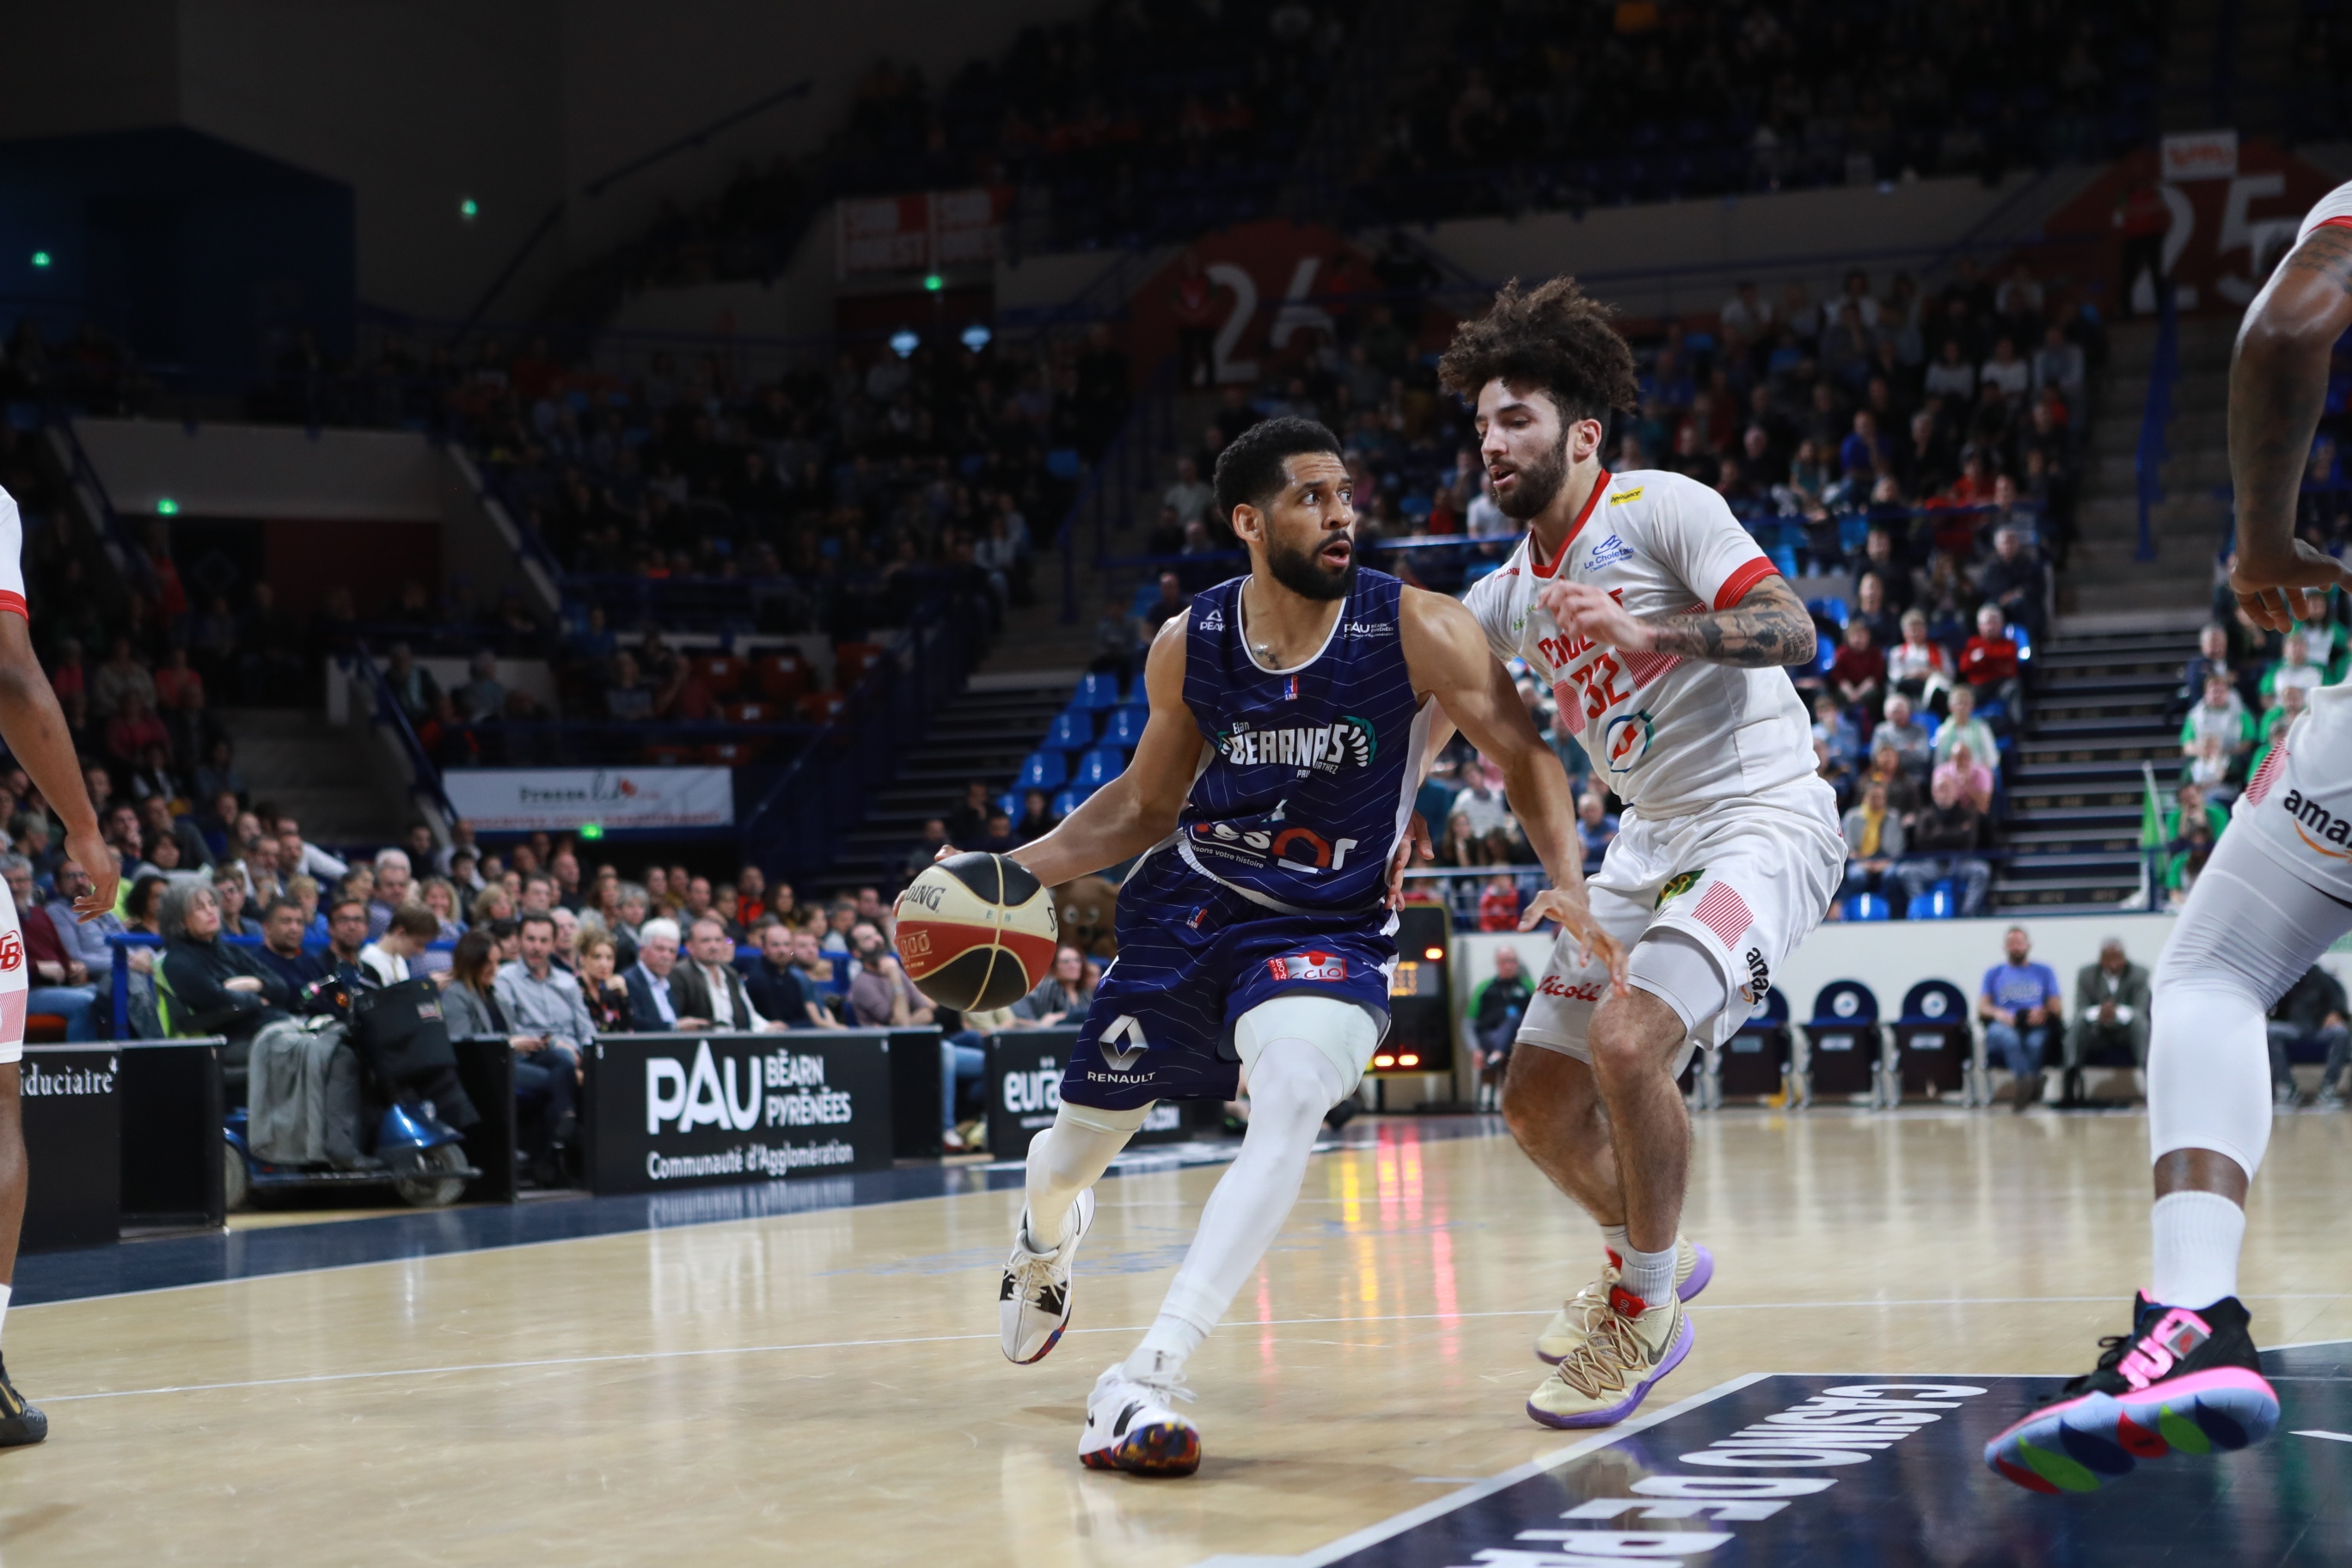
2197	1236
1649	1275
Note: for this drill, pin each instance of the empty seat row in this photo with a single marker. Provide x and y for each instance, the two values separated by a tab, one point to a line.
1847	1048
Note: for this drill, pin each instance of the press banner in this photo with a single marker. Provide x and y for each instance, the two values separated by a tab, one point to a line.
525	800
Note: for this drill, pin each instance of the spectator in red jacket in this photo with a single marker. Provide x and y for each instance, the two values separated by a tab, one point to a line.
1988	663
1858	674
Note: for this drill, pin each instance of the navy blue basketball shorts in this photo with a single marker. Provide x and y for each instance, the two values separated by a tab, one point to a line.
1193	956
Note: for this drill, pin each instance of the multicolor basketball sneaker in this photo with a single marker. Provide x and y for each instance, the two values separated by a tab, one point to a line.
2180	1382
1572	1324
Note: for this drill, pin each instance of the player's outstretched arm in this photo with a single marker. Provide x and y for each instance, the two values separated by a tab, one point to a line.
1446	651
2278	389
1769	625
1140	807
35	729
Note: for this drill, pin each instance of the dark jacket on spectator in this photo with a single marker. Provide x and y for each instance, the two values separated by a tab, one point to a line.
201	1004
293	973
645	1011
689	994
781	995
2309	1001
1957	829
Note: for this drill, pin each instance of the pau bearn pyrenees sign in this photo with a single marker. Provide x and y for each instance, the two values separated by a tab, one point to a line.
684	1110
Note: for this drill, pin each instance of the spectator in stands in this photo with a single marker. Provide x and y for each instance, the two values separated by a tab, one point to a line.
1873	843
1037	818
1943	840
653	1007
297	859
2313	1009
1062	997
216	988
2294	670
539	999
1190	496
120	677
482	697
627	698
926	848
2219	726
1988	664
880	994
596	961
1918	669
2212	658
61	983
781	990
156	823
1907	739
749	903
1498	902
413	686
1834	727
229	887
1858	674
1971	778
385	959
391	889
282	952
968	824
709	987
1496	1005
133	728
2022	1007
1172	602
2015	580
2110	1009
1961	726
346	935
1596	829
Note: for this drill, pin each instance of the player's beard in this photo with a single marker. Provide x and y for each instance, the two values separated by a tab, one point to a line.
1539	486
1303	572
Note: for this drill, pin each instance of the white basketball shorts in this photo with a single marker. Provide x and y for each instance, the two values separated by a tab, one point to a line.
15	981
2298	804
1746	882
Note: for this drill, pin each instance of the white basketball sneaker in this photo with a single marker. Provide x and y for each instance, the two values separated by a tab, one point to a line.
1130	1427
1572	1324
1033	1304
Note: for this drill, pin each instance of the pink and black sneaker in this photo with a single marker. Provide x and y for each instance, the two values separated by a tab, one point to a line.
2180	1382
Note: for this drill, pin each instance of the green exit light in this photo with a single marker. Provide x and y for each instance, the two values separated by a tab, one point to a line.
469	209
41	259
591	831
167	507
934	282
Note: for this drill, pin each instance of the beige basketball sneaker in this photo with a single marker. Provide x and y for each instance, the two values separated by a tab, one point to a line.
1629	1345
1694	1266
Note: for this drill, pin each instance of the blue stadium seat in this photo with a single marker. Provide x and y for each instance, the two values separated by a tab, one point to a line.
2024	643
1936	904
1069	800
1073	729
1043	770
1784	559
1098	767
1867	907
1928	721
1844	1040
1754	1061
1125	729
1010	804
1097	689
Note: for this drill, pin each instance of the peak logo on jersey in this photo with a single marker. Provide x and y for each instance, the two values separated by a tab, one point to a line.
1214	621
1621	497
2317	827
1625	743
1581	991
1369	629
1308	967
1678	885
1610	551
1327	748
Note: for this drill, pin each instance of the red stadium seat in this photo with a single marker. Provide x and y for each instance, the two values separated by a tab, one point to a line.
850	662
783	677
823	707
722	672
757	713
664	756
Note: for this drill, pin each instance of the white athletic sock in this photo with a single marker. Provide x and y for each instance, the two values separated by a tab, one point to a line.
1649	1275
2197	1236
6	1292
1292	1084
1613	1237
1064	1161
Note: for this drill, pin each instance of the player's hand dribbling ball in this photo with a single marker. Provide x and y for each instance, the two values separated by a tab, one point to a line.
976	932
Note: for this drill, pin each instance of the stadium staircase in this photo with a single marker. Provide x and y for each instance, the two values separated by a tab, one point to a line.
333	780
2104	574
983	733
2104	710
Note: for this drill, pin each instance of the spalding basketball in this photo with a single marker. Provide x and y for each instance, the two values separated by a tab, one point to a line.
976	930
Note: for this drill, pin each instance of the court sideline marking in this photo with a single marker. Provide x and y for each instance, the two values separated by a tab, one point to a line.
953	1338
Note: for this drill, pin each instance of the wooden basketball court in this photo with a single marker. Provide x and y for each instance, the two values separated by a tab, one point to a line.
824	1387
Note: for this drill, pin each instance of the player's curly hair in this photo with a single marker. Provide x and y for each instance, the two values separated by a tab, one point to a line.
1555	336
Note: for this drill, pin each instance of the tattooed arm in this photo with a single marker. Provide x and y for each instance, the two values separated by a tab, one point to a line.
2278	389
1767	626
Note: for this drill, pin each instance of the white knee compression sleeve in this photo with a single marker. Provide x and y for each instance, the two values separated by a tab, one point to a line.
1343	1032
1676	968
1293	1081
2249	932
1067	1158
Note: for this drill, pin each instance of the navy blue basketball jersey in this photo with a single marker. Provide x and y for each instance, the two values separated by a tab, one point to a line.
1311	770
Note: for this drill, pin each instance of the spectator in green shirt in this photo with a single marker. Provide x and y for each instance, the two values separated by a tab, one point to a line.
1496	1005
2218	716
1963	725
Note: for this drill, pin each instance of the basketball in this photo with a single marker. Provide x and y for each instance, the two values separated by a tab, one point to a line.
976	930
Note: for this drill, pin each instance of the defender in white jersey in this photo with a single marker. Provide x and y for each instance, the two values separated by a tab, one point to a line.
1664	630
36	734
2276	895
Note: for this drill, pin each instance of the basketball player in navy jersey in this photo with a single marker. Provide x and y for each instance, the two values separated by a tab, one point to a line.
1289	713
35	731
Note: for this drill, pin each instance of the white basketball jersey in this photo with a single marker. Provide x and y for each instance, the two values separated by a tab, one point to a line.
1668	734
12	556
2335	208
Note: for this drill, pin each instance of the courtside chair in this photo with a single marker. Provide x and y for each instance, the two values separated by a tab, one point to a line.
1935	1044
1845	1049
1754	1063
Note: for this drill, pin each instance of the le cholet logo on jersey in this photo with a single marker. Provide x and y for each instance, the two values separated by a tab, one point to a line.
1608	553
